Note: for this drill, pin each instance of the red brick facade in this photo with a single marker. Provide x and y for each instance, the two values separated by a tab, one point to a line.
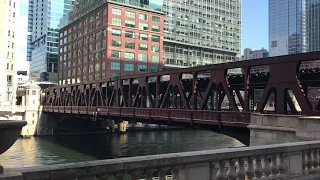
110	41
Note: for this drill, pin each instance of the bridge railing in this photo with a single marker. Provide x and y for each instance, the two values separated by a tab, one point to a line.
299	160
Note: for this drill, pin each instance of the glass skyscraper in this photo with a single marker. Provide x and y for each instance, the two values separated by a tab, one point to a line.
44	19
294	26
198	32
313	25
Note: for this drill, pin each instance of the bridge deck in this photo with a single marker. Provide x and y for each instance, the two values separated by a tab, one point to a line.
192	117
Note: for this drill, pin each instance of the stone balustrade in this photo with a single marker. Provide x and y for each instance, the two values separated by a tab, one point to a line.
14	108
300	160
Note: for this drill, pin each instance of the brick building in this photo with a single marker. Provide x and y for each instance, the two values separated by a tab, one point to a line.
111	40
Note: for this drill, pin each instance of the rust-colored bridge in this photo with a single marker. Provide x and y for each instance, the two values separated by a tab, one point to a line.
222	95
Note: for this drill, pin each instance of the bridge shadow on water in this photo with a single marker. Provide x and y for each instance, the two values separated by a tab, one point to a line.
109	145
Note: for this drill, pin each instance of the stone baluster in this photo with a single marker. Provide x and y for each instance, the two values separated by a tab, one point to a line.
282	165
250	170
149	175
118	176
162	174
231	174
241	172
309	160
221	174
258	169
134	175
318	158
213	170
266	167
175	173
304	162
274	166
315	156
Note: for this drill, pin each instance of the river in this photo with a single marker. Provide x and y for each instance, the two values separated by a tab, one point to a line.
77	148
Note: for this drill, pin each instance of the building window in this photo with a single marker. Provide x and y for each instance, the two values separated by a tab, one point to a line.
155	28
142	57
103	67
143	36
116	43
143	26
155	59
103	54
115	65
103	75
129	34
34	92
97	67
143	47
155	48
116	32
116	11
131	24
11	66
155	19
115	75
104	33
130	45
115	54
98	35
155	38
104	12
128	67
130	14
154	68
116	21
143	16
142	68
96	76
129	55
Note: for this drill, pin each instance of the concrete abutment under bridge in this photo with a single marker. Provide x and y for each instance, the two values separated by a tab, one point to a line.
275	129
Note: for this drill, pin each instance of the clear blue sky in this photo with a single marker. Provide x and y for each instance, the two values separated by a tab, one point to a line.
254	24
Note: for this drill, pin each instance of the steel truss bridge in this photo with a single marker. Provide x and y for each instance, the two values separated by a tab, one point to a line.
219	95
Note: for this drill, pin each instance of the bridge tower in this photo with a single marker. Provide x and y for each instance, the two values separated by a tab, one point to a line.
31	100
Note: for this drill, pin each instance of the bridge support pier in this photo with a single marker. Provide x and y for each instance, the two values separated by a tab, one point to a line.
48	123
111	125
275	129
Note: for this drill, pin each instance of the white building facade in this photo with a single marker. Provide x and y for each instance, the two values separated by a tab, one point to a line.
254	54
9	13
